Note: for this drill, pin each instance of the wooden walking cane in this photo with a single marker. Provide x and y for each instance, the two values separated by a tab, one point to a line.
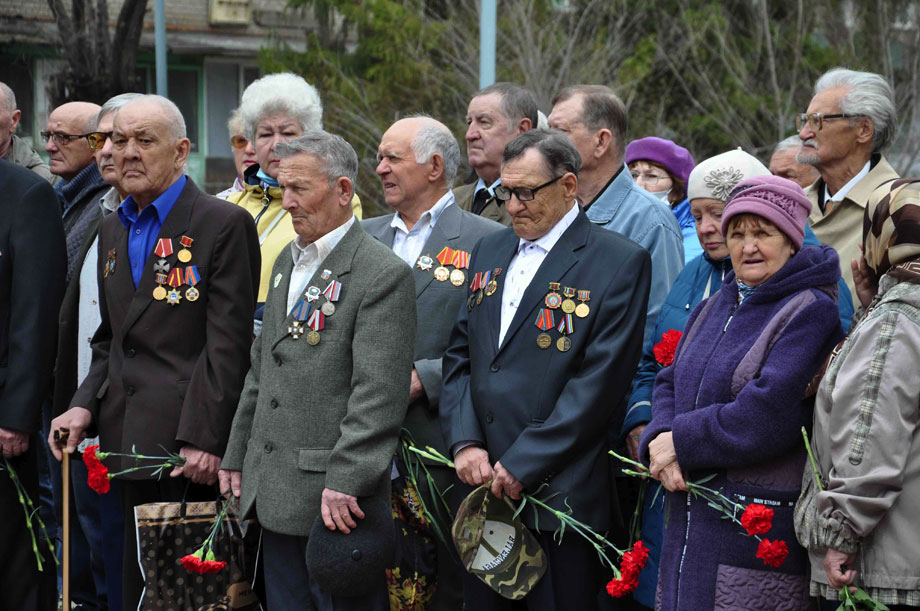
61	436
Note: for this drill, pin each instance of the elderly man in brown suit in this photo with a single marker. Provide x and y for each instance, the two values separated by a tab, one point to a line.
178	274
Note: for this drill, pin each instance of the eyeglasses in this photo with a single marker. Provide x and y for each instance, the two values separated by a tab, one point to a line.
239	142
815	120
62	139
651	180
524	194
97	139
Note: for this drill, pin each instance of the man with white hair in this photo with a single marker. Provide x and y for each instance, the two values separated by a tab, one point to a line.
851	119
783	163
13	148
177	276
417	163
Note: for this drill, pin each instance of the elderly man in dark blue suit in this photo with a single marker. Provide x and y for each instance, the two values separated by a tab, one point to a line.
540	360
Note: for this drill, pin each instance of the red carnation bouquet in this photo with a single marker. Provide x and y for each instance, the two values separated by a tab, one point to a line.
665	349
202	560
756	519
98	476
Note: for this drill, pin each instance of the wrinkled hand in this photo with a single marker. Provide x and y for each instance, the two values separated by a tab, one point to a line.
13	443
503	481
632	442
416	390
838	565
200	466
865	286
76	420
337	509
672	478
472	465
661	453
230	481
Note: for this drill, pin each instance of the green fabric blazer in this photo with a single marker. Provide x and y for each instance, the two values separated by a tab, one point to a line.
327	415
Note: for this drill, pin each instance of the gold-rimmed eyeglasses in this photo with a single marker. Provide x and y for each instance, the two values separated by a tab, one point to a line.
815	120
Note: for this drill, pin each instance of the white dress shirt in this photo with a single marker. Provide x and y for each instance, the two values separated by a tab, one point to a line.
842	192
408	243
307	260
524	266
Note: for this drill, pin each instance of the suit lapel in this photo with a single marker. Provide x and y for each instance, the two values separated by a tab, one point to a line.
338	262
175	225
493	303
554	267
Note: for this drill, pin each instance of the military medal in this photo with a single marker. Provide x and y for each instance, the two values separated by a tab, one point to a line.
583	309
457	277
295	329
161	266
159	293
301	311
492	285
185	255
441	273
460	260
192	277
109	264
425	263
312	293
566	327
331	293
173	297
164	248
326	274
316	322
553	299
544	322
568	305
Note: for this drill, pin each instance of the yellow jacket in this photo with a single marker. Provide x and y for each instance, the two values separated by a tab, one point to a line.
275	228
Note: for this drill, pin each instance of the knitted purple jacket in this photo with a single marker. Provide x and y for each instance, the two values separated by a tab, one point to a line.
733	401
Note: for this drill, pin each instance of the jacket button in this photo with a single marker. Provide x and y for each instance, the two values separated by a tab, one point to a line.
274	404
494	367
130	353
278	361
356	555
129	391
268	448
489	418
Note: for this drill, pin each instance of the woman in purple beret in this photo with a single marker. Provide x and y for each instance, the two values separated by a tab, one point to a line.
732	404
662	168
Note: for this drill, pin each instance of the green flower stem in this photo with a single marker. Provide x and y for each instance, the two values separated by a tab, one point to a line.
811	459
28	510
208	543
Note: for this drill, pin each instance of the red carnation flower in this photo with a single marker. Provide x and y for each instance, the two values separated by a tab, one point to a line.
212	566
773	553
89	456
757	519
665	349
618	588
192	564
98	478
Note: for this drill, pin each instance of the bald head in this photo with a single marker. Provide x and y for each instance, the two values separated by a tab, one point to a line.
9	118
67	155
418	159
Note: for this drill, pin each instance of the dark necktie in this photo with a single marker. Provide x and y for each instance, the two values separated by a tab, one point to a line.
479	201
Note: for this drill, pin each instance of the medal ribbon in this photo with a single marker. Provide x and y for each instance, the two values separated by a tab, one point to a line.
317	320
584	295
568	292
474	284
161	278
302	310
460	259
544	320
332	291
565	325
175	277
554	286
445	256
164	248
192	277
486	277
186	241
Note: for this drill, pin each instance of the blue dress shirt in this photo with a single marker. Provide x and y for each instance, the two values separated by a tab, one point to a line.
144	228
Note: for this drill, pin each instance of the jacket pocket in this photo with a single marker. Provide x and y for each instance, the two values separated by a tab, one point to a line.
313	459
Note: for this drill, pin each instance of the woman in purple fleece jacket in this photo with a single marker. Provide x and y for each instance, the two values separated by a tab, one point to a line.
733	404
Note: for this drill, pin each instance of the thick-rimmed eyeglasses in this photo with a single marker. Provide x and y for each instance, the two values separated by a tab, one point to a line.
97	139
524	194
62	139
815	120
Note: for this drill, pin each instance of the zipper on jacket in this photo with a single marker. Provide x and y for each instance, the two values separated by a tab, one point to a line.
266	200
683	553
731	315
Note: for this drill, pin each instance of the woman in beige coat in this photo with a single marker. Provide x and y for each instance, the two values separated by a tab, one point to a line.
861	529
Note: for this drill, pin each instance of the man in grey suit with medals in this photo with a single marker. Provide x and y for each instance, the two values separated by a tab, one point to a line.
322	405
417	163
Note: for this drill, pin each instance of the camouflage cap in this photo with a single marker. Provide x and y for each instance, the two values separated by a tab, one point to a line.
495	546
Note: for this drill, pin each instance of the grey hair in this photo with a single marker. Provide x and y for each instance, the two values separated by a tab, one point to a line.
434	138
283	93
175	122
234	122
111	105
792	142
9	98
517	103
601	108
867	94
338	156
558	152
